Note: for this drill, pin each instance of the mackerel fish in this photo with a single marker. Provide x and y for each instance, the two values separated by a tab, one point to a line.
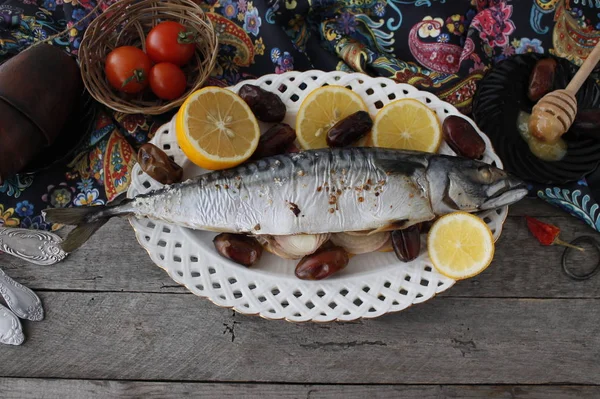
312	192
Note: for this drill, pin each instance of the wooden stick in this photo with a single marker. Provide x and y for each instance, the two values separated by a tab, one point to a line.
585	70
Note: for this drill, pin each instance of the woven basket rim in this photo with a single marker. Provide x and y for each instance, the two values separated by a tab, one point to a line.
104	33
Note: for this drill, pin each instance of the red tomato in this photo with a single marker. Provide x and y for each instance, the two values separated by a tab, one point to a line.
167	81
127	69
171	42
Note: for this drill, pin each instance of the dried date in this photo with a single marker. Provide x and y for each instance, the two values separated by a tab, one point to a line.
541	80
462	137
322	263
407	243
239	248
275	141
350	129
158	165
266	106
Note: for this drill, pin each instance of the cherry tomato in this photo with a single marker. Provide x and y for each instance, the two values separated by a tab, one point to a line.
167	81
171	42
127	69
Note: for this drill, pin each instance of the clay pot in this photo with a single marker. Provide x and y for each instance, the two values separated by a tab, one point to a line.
39	91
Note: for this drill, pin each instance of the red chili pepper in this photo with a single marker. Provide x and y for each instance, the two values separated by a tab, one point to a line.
546	234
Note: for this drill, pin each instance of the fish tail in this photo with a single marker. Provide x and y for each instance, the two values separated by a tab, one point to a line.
87	219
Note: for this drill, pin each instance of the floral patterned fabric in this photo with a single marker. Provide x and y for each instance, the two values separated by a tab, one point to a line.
441	46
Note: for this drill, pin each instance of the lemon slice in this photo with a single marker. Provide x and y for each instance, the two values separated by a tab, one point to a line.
322	109
407	124
460	245
216	129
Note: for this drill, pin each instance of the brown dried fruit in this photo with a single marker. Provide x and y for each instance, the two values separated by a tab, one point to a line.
462	137
239	248
158	165
265	105
407	243
322	263
350	129
426	226
275	141
541	80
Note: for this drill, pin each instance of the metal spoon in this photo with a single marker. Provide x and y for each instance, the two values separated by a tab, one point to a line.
21	300
11	332
39	247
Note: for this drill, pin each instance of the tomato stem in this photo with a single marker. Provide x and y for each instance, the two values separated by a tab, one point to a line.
187	37
138	74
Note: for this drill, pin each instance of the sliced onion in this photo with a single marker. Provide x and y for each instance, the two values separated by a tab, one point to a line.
387	247
293	246
360	233
360	244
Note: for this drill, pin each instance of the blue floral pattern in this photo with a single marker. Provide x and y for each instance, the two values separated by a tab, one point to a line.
24	208
252	21
576	203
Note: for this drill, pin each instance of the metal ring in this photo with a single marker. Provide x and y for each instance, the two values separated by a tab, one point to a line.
590	240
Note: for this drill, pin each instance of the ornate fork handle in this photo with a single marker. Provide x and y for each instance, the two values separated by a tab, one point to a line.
39	247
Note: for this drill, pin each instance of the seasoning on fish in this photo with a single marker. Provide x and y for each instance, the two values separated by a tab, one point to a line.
333	190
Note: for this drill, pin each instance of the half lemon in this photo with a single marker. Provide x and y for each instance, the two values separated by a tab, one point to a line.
460	245
322	109
216	129
407	124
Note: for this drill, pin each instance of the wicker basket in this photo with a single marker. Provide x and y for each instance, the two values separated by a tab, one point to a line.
127	22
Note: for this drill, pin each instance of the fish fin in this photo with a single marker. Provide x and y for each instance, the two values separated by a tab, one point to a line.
87	219
71	216
395	225
80	234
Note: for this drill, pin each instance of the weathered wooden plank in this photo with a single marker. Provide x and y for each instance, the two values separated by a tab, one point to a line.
113	261
22	388
180	337
535	207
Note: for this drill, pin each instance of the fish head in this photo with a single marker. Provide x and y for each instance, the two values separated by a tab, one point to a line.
460	184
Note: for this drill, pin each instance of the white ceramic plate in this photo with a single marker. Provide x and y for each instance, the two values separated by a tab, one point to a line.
371	285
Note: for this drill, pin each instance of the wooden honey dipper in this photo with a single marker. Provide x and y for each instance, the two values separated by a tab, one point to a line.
554	113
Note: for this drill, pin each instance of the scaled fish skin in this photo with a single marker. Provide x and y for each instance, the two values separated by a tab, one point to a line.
311	192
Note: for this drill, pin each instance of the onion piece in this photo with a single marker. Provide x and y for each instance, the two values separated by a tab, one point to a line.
360	233
356	244
293	246
388	246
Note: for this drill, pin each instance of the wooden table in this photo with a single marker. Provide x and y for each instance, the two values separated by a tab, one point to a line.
116	325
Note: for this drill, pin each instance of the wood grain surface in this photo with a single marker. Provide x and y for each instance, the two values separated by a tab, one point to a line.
117	326
20	388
